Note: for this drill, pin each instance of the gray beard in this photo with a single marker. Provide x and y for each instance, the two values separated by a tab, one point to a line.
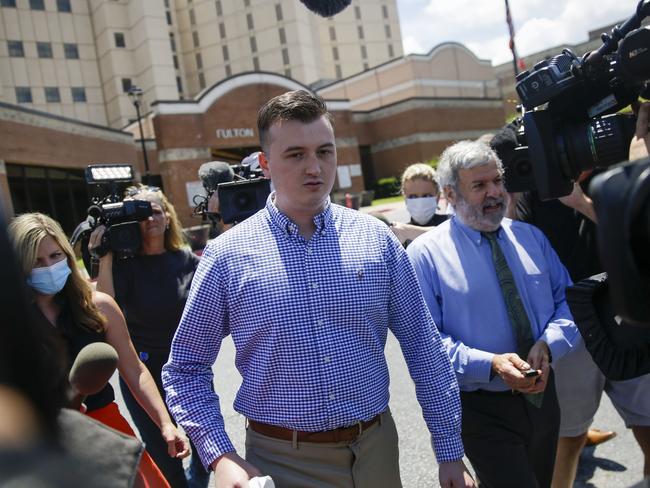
472	215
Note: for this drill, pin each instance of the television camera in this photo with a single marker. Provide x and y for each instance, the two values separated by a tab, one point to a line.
120	217
570	121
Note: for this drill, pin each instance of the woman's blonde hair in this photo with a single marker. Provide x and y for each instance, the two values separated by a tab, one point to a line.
419	171
27	231
174	237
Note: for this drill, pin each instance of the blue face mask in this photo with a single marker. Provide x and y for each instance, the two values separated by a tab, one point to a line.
49	280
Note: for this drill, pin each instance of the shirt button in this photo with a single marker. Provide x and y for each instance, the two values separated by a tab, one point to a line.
314	285
309	251
326	359
332	396
321	322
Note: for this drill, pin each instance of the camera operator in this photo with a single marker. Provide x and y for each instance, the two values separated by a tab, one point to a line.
151	289
569	224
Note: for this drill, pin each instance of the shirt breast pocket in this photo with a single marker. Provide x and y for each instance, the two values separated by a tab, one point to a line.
540	294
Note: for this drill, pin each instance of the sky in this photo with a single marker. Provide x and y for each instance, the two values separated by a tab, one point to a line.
481	26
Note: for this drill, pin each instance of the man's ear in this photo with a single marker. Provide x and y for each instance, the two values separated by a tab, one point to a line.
450	194
264	164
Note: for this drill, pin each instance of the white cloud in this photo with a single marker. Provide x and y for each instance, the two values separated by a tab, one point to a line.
481	25
412	45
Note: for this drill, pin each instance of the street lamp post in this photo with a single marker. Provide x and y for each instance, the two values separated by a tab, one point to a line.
135	95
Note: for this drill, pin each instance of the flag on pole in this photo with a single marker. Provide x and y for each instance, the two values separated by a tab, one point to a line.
517	62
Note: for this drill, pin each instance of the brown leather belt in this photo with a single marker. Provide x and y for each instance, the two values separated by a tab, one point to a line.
342	434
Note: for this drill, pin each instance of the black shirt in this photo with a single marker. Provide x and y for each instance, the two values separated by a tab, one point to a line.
151	290
572	235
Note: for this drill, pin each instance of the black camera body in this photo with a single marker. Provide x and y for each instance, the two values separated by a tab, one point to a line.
122	235
240	199
570	122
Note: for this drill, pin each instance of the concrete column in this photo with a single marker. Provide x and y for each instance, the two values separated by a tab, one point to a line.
6	205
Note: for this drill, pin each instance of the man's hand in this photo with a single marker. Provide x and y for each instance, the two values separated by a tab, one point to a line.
538	359
405	232
509	367
640	147
455	475
577	200
177	444
231	471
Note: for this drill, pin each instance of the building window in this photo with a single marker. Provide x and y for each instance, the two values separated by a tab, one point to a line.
256	63
126	85
71	51
44	49
37	4
228	70
283	36
285	56
249	21
332	33
287	72
16	49
357	12
63	6
222	30
119	39
172	41
201	81
199	61
337	68
360	31
278	12
175	58
192	17
391	52
335	53
168	14
218	5
78	94
247	3
224	51
253	45
179	84
52	94
195	38
384	11
167	3
366	66
23	94
387	30
7	3
364	52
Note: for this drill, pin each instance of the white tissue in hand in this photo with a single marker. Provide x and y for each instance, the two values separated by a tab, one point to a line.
261	482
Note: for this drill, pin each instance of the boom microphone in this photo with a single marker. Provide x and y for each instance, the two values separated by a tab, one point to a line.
214	173
326	8
91	370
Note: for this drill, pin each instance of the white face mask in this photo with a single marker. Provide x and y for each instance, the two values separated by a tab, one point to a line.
422	209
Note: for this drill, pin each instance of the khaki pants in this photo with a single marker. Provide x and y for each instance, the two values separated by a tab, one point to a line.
371	461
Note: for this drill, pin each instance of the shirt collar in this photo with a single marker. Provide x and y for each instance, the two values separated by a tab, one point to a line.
322	221
472	234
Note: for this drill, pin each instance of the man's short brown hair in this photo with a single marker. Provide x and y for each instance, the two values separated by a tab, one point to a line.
300	105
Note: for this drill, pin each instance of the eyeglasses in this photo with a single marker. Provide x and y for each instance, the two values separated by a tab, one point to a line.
135	190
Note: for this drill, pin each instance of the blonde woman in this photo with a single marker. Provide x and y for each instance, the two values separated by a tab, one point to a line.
151	289
84	316
421	192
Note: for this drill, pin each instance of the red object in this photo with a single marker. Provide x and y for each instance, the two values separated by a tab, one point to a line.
149	475
348	200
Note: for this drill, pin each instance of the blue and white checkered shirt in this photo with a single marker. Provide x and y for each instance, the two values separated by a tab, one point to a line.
309	321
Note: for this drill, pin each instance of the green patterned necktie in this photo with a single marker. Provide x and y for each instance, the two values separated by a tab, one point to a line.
519	320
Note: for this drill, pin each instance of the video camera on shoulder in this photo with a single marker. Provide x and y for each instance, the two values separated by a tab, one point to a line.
122	235
570	121
242	189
